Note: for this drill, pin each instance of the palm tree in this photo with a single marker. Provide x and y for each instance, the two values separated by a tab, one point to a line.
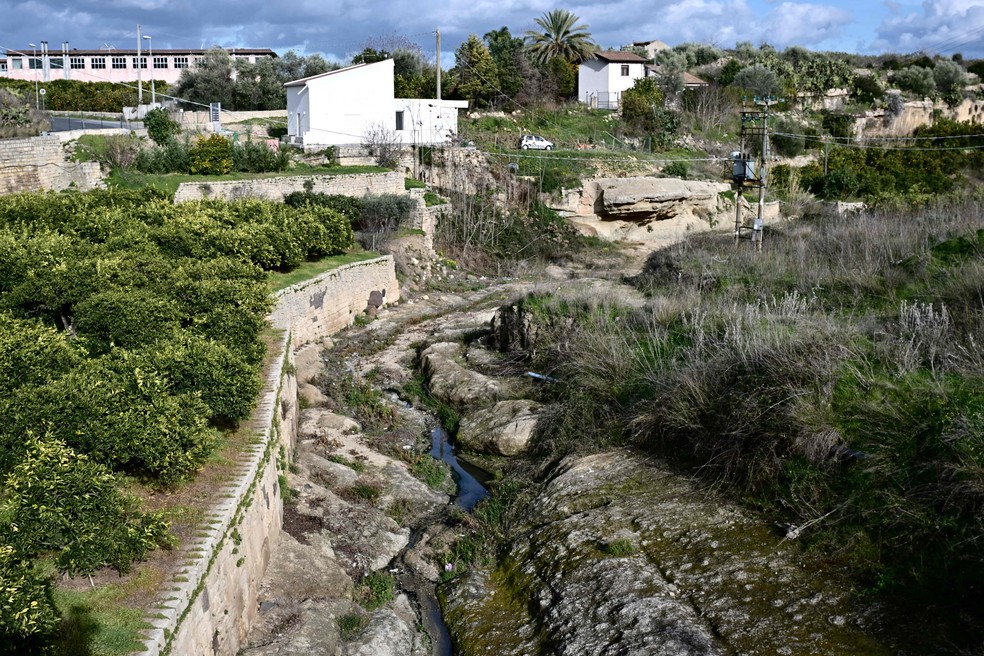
561	36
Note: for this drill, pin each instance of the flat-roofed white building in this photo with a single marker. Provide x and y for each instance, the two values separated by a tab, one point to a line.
339	107
110	65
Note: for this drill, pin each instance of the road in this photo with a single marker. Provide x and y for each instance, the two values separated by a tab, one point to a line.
63	123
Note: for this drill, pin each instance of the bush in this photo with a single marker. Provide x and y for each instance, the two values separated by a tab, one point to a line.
211	155
161	128
789	142
384	212
676	170
258	157
125	319
29	619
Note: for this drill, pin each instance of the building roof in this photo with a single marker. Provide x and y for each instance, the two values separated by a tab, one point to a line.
620	57
304	80
656	44
689	79
120	52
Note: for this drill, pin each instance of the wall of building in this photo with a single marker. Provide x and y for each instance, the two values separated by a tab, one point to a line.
275	188
209	604
38	163
323	305
203	119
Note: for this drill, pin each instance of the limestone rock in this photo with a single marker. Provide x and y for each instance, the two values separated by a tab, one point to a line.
311	395
504	429
451	382
621	556
386	635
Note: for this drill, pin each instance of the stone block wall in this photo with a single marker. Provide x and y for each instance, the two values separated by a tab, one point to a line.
323	305
209	604
275	188
38	163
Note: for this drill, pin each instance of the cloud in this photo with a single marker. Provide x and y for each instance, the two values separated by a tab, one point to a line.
943	26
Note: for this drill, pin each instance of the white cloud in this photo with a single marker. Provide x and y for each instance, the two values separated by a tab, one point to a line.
944	26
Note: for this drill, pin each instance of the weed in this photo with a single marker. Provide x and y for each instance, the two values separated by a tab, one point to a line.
351	625
430	471
376	589
620	548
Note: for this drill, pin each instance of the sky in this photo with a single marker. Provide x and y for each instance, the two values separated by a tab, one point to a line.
339	28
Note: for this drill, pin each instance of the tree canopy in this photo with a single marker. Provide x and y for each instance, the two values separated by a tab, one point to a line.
561	36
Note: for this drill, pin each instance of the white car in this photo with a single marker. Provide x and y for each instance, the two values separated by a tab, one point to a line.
534	142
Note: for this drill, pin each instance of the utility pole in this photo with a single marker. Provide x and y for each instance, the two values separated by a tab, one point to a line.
766	102
139	86
438	32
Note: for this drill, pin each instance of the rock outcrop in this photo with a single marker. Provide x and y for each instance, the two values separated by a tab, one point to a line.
622	556
451	382
504	429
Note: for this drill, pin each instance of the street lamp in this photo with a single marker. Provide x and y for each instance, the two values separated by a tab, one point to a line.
150	49
34	63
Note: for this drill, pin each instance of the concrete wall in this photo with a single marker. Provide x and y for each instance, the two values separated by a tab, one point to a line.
38	163
203	118
274	188
209	603
321	306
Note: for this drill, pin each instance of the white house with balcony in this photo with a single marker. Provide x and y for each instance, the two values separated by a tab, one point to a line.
602	79
338	108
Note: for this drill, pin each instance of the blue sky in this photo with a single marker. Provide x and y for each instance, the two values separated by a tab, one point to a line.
338	28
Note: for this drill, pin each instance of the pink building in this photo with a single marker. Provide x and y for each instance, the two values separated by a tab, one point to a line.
110	65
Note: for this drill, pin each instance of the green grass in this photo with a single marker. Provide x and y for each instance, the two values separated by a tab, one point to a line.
308	270
376	589
100	622
413	183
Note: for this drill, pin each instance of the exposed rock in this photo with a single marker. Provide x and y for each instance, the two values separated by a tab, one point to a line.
310	395
504	429
451	382
623	557
386	635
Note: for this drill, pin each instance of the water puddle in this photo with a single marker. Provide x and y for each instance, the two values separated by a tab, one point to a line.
470	480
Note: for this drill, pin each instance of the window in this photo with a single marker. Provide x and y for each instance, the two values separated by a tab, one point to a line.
36	64
3	67
140	62
98	62
56	62
625	70
18	64
399	120
199	60
160	62
76	62
119	62
181	62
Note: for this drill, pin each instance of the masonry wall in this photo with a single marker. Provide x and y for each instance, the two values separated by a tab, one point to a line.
209	604
275	188
323	305
38	163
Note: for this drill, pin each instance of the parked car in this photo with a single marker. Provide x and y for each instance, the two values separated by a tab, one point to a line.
534	142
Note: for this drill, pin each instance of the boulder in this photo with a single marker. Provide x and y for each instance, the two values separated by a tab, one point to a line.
504	429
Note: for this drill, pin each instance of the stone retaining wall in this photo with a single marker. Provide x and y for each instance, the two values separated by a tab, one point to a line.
38	163
357	185
210	602
323	305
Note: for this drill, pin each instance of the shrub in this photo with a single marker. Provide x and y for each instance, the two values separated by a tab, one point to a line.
376	589
29	620
258	157
161	128
384	212
211	155
676	170
125	319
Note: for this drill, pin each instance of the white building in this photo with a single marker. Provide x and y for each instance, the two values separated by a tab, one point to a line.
111	65
339	107
602	79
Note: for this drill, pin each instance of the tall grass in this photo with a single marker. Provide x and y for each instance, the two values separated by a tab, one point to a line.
833	378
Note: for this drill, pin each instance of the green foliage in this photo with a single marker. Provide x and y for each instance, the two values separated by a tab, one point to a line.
376	589
258	157
209	80
620	548
475	76
644	113
351	625
916	80
28	617
950	78
211	155
384	212
821	74
563	76
505	49
161	128
561	36
59	502
867	90
758	80
126	319
430	471
76	96
789	140
676	170
348	206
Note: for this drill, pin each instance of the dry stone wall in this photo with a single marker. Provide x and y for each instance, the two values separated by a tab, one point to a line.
323	305
275	188
38	163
